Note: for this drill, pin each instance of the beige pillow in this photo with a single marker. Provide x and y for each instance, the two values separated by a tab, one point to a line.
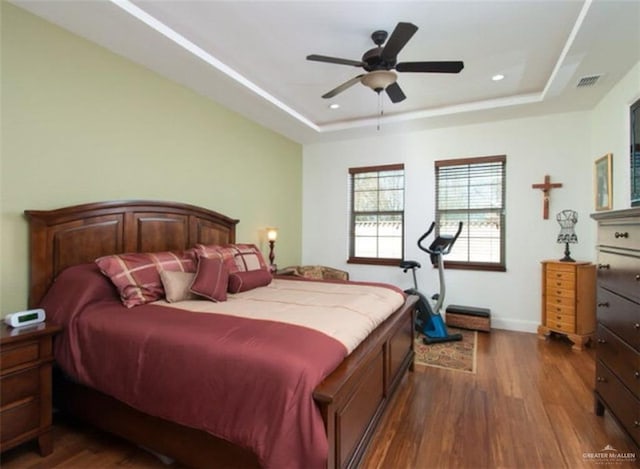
176	285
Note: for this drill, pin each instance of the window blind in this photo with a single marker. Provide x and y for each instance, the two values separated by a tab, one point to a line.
472	190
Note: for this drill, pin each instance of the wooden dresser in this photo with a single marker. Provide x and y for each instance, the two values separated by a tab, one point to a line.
25	385
617	381
568	301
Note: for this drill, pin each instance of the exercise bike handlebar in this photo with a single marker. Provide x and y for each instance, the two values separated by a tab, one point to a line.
450	240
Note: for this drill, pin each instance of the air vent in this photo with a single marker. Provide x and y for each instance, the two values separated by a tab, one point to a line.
588	81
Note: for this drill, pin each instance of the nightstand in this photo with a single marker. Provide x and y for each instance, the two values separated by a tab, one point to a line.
26	358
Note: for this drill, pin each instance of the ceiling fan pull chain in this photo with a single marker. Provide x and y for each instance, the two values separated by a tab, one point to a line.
380	110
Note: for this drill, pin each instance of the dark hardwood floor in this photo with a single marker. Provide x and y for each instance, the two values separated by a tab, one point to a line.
529	405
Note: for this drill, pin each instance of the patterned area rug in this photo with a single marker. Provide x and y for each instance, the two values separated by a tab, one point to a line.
459	356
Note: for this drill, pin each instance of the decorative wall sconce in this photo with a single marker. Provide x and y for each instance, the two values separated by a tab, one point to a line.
272	235
567	220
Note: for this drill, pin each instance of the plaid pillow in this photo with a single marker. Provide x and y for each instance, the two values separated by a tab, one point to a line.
211	280
137	275
236	257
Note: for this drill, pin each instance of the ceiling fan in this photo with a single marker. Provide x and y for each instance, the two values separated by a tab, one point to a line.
380	62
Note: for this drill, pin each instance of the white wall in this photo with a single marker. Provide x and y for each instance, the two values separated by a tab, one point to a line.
610	133
563	146
557	145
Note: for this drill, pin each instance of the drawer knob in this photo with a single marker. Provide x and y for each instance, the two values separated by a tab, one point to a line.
638	278
637	374
636	423
604	266
604	304
600	379
623	234
602	341
637	325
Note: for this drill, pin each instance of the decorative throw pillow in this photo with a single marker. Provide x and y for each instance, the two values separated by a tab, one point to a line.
176	285
137	275
211	279
237	257
245	281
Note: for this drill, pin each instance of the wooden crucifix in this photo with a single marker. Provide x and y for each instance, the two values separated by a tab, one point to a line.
546	188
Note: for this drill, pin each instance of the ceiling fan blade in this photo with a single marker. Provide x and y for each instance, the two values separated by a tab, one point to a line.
398	39
430	67
334	60
344	86
395	92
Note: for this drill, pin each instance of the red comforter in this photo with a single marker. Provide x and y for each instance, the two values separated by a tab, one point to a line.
249	382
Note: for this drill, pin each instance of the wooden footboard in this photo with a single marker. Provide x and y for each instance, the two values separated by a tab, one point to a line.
353	398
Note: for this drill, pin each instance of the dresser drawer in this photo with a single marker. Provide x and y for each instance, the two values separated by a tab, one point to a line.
620	315
16	386
19	355
619	358
620	273
624	405
20	419
621	235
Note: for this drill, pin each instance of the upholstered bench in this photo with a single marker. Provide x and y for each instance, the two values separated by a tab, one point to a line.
469	317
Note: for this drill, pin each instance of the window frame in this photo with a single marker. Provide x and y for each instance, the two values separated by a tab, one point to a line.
353	259
501	265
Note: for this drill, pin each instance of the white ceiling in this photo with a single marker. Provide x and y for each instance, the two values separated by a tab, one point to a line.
542	47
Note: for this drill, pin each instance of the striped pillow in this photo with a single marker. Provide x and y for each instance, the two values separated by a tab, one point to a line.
136	276
236	257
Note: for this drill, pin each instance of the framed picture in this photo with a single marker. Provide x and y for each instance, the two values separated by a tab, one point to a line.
602	180
635	153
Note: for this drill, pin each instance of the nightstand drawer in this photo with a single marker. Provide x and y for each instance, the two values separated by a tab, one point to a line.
554	309
20	385
567	318
565	284
561	326
20	419
557	292
18	355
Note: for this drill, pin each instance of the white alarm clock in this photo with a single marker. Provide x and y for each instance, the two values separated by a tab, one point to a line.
24	318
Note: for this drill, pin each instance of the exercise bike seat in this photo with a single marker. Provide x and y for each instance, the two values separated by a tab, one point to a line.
406	265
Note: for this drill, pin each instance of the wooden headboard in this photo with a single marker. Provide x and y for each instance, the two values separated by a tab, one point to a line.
79	234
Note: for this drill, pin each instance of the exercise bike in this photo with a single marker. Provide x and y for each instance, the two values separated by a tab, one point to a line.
428	320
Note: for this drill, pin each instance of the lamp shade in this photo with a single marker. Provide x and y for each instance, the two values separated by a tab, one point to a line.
272	234
378	80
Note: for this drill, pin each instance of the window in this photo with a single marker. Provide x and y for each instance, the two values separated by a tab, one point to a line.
377	214
472	191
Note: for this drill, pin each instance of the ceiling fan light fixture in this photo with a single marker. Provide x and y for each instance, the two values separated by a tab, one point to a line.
378	80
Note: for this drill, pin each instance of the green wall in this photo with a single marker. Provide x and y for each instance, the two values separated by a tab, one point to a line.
81	124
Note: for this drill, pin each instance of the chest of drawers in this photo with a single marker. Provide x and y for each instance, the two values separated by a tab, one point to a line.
568	301
617	380
25	385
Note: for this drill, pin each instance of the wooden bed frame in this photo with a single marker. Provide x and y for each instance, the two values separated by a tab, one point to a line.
351	399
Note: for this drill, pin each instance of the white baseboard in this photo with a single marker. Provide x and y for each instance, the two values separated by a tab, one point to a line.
514	324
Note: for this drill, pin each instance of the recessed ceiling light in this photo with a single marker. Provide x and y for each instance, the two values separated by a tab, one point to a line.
497	77
334	106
